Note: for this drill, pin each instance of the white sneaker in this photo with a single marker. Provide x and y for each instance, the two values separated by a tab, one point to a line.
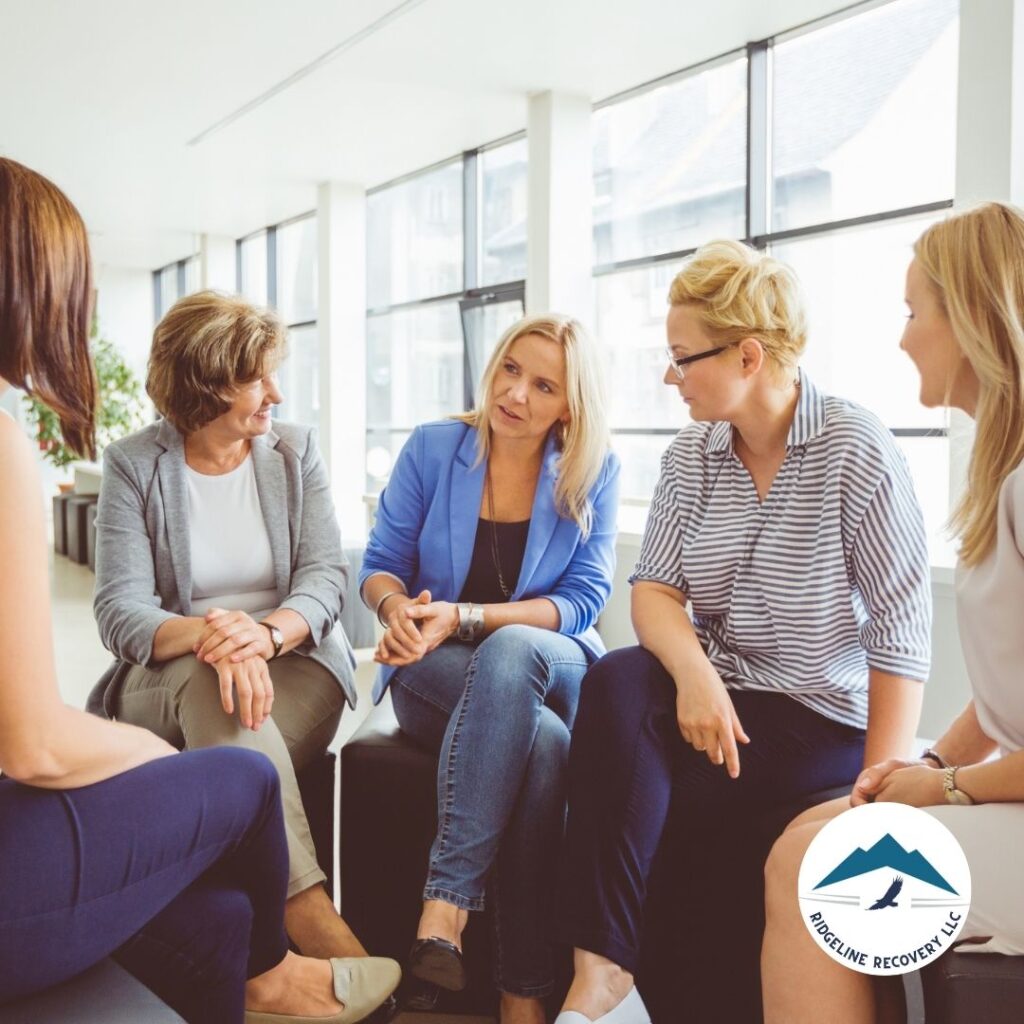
630	1011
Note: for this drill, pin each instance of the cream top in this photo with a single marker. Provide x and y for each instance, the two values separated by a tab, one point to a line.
990	613
232	564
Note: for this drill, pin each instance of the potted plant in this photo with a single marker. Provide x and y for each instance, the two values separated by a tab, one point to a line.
121	409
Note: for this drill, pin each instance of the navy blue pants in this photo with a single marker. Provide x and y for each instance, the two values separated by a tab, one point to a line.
177	868
628	763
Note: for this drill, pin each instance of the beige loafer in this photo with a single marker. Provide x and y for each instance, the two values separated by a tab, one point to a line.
362	983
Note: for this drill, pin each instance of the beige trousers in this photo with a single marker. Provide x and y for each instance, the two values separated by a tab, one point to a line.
180	701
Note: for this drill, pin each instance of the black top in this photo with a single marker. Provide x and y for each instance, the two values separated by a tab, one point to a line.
482	581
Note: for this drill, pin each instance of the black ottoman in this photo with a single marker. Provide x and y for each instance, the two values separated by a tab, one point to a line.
60	523
76	517
974	988
388	820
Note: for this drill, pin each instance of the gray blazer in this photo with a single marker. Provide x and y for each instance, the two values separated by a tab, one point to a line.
144	549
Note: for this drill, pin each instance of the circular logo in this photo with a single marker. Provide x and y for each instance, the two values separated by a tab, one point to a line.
884	888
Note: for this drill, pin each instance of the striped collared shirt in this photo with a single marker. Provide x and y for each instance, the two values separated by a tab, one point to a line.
827	577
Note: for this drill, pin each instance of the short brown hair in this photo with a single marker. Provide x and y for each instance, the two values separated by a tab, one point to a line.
46	301
206	346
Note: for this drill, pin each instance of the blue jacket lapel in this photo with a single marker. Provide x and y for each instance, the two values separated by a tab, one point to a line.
272	488
543	518
170	467
464	512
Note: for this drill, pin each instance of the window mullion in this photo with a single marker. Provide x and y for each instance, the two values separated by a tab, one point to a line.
759	172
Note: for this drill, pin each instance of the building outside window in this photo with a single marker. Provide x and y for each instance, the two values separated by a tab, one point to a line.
441	288
832	148
173	282
277	267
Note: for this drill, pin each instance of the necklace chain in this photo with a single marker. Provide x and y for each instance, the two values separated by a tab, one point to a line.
495	553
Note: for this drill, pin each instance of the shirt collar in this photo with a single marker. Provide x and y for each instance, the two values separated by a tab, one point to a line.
808	421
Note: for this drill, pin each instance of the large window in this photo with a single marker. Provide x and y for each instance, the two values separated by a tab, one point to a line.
277	267
832	148
174	282
446	254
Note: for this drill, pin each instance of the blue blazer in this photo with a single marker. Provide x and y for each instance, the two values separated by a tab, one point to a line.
426	528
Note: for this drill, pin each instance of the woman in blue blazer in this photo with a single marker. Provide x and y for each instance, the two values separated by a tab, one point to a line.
490	560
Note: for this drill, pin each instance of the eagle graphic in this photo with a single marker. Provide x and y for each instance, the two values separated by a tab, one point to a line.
889	899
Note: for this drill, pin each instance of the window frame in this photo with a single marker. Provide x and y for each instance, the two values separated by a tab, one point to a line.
473	294
759	181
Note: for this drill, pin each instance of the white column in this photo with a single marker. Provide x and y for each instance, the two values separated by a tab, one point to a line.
341	270
217	263
990	140
560	219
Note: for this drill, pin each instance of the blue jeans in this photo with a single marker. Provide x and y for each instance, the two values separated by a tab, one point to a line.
499	715
177	868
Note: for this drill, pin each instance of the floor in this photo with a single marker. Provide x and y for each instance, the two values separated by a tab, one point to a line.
81	660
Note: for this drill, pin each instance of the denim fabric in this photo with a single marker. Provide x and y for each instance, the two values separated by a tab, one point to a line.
178	868
499	715
629	763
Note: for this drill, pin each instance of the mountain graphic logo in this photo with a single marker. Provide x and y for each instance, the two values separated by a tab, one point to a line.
886	853
884	888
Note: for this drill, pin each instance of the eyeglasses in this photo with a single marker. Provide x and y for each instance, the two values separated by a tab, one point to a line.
680	363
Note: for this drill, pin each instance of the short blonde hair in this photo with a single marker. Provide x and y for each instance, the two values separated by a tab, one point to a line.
739	293
585	440
206	345
974	260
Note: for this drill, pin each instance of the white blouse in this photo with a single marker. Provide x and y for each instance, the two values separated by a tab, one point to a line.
990	604
232	564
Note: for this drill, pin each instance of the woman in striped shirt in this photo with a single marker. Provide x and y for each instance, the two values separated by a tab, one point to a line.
787	520
965	293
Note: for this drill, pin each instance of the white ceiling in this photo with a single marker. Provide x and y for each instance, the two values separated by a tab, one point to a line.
103	96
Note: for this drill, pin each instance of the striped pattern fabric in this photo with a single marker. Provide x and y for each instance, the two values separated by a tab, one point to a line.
826	578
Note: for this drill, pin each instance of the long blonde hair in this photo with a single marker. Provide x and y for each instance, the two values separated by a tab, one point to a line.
975	262
583	441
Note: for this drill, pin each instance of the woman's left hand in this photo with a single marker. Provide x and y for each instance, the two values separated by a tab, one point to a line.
436	621
916	785
235	634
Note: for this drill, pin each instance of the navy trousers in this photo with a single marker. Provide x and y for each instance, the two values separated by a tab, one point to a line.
177	868
628	764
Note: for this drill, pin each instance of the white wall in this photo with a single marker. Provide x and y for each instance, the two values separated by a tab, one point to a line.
125	306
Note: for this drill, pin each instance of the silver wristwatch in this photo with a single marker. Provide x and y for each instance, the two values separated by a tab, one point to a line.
954	795
471	622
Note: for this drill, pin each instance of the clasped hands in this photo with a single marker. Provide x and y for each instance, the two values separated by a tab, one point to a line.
899	780
415	626
238	649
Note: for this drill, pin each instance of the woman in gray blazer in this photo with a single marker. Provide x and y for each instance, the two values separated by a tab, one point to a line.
219	573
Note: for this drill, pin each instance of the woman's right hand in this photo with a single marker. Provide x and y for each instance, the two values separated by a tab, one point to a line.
708	720
401	642
251	679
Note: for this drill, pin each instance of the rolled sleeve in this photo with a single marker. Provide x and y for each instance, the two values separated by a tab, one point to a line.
585	586
891	571
661	552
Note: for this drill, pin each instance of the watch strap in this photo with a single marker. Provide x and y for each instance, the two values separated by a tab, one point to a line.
276	637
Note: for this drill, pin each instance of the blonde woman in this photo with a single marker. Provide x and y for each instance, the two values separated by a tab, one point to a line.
489	562
965	293
787	520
